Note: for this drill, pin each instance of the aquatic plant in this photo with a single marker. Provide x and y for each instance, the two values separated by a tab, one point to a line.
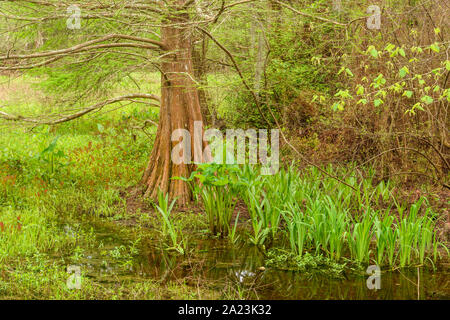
168	228
386	238
337	222
218	190
233	236
360	239
251	189
297	229
260	228
307	264
320	214
415	234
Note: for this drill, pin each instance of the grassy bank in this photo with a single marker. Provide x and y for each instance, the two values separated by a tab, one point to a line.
57	181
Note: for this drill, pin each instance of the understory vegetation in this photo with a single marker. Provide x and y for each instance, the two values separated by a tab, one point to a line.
313	212
55	181
364	152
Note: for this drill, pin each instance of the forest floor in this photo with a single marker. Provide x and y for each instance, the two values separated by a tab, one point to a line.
64	201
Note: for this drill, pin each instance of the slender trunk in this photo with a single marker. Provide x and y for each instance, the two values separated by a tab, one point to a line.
180	107
259	47
199	60
258	52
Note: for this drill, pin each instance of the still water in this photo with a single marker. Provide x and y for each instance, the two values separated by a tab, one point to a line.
220	266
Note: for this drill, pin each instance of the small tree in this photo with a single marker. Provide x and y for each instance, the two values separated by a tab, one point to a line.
120	30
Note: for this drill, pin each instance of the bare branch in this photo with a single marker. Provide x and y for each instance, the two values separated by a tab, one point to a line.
88	46
310	15
258	105
31	66
63	16
81	113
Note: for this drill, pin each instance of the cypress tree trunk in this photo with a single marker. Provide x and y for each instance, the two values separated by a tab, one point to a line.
180	107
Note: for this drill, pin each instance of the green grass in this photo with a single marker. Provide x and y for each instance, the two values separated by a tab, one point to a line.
323	217
164	209
71	172
218	192
78	171
315	213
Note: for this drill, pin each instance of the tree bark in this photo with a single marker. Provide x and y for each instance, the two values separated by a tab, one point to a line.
200	72
258	50
180	107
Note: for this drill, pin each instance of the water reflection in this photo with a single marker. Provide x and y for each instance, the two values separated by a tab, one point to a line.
221	266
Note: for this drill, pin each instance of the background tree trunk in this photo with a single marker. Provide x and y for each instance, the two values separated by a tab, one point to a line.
180	107
200	71
258	49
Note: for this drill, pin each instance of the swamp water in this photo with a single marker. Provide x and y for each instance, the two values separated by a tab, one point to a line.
241	268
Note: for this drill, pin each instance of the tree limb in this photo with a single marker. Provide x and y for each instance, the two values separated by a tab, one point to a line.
89	46
310	15
270	110
81	113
